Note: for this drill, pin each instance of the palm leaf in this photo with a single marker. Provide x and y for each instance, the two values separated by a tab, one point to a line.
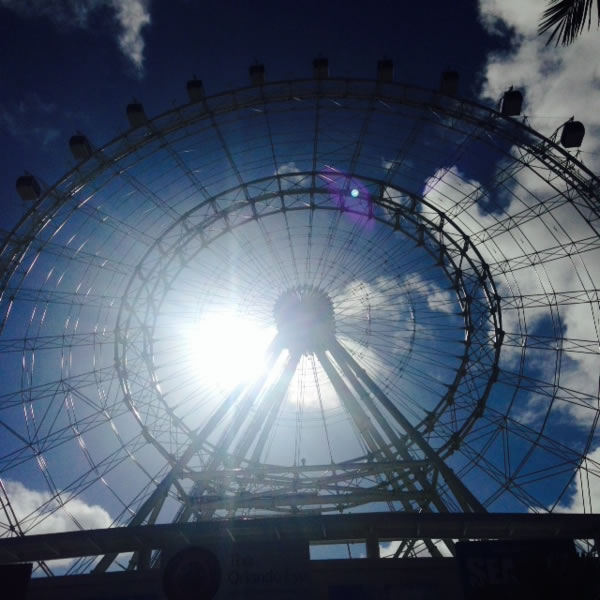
567	18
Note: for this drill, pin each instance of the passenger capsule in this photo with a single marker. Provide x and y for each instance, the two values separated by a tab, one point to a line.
257	74
512	103
572	134
195	90
80	147
28	188
385	70
449	83
136	114
321	68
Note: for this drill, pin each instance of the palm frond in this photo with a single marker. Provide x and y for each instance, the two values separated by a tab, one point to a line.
567	18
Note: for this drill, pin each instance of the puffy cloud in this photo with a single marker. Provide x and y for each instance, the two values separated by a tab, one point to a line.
527	190
445	188
28	504
585	496
290	177
438	299
558	82
549	77
131	15
520	16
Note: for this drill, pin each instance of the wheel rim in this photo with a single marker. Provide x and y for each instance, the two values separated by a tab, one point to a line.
140	203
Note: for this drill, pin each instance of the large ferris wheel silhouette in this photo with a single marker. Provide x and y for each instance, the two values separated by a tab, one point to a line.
300	298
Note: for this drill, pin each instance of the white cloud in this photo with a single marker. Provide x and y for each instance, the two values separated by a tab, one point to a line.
131	15
26	503
578	372
558	82
290	178
438	299
445	189
521	16
586	491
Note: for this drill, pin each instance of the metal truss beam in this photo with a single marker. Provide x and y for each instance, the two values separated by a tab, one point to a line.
551	298
287	502
465	498
358	467
544	256
442	240
318	528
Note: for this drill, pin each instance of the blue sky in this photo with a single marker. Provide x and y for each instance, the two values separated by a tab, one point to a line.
74	65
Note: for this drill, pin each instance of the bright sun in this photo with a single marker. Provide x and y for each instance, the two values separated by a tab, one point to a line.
228	349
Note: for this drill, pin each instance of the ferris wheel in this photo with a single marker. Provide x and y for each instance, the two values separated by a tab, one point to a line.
303	297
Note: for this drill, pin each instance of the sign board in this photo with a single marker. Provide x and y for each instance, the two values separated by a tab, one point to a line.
267	570
527	570
239	570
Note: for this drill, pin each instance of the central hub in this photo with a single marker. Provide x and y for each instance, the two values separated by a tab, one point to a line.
305	319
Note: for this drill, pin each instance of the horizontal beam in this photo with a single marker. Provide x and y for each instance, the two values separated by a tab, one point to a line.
349	468
288	501
322	528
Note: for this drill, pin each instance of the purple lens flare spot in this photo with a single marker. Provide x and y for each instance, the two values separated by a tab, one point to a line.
350	195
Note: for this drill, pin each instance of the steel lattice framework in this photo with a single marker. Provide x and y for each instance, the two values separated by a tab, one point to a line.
426	268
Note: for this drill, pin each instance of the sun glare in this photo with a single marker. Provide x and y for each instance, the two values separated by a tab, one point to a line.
228	349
